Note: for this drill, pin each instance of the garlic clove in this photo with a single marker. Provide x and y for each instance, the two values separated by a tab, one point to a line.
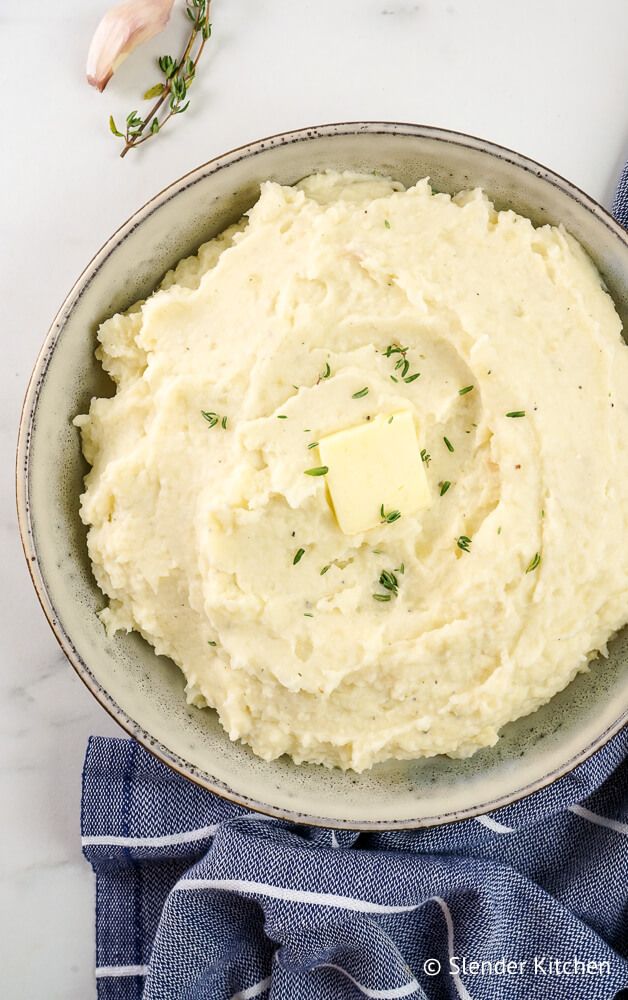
121	30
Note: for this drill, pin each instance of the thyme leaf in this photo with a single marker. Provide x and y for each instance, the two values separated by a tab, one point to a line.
213	419
390	517
534	562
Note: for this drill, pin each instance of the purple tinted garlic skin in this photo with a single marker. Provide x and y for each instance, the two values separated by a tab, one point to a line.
120	31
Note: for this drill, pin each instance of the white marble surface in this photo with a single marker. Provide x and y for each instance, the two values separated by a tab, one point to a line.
546	77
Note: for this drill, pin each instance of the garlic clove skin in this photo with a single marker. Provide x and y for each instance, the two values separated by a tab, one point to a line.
120	31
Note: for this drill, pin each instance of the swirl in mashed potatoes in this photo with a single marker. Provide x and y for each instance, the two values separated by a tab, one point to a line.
209	539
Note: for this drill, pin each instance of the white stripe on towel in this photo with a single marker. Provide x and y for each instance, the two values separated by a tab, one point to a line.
390	994
293	895
610	824
117	971
493	825
252	991
460	987
169	840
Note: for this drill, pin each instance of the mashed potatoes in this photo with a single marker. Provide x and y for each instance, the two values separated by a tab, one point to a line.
207	536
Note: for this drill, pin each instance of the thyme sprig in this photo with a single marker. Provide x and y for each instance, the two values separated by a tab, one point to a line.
388	581
390	584
389	517
178	78
402	365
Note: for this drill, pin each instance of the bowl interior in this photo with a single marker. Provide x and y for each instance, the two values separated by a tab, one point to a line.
145	692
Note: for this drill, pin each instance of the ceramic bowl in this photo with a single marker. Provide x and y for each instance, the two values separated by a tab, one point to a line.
144	692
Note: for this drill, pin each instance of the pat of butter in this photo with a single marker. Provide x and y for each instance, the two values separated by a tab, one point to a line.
376	463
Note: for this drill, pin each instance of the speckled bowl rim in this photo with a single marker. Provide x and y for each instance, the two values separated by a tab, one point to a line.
27	420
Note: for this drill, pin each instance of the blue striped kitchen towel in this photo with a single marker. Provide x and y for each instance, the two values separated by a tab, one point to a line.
620	204
196	899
